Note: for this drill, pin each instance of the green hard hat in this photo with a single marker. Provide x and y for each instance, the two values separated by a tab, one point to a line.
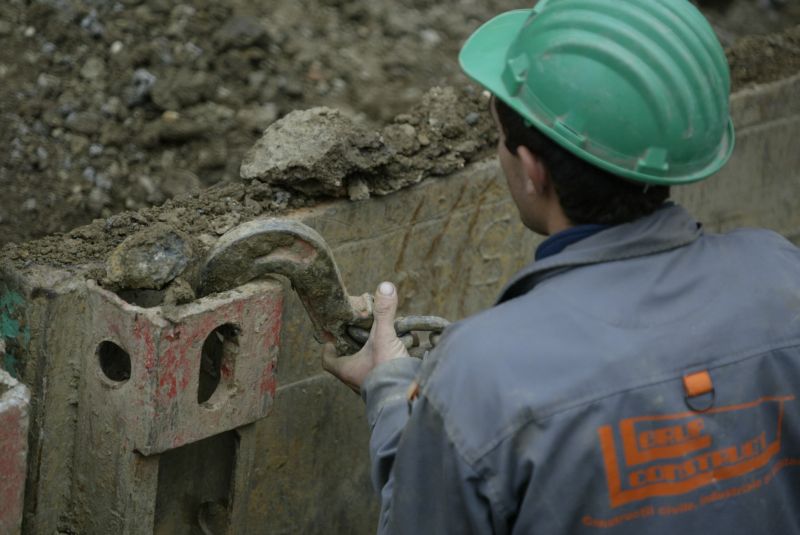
639	88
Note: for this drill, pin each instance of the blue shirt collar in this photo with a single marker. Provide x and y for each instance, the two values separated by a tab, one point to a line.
560	240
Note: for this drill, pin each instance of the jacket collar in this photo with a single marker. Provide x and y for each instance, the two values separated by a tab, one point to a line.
668	228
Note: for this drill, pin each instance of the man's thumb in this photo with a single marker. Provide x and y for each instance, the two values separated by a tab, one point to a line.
385	308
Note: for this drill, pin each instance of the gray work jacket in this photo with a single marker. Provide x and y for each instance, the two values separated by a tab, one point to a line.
644	380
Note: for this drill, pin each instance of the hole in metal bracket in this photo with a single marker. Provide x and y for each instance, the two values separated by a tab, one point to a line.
115	362
217	360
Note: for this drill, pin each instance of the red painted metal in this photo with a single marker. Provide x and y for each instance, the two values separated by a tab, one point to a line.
157	406
14	404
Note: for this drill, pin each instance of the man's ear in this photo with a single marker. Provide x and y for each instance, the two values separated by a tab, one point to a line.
537	180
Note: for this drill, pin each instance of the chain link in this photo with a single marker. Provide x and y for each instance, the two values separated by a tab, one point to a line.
408	329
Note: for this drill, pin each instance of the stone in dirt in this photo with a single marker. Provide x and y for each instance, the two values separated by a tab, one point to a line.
179	292
149	259
312	151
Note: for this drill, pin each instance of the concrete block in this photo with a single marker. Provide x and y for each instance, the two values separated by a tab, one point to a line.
14	407
172	376
131	396
760	185
312	474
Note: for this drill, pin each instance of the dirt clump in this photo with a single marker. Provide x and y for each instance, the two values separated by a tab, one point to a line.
312	152
323	152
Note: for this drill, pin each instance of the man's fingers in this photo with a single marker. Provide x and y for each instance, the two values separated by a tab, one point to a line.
385	311
340	367
330	358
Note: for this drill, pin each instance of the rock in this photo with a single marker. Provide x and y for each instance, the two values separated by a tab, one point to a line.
140	88
180	129
239	32
48	81
93	69
357	190
97	200
179	182
312	151
92	24
147	185
149	259
259	118
443	112
213	156
30	205
225	222
178	292
182	88
78	143
430	38
472	118
401	138
86	122
113	134
112	107
281	199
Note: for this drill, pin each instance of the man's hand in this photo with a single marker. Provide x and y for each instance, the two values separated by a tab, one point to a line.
382	345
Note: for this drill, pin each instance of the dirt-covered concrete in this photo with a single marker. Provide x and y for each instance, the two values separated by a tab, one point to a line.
448	130
108	106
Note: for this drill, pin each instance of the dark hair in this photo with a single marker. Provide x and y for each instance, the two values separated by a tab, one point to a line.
587	194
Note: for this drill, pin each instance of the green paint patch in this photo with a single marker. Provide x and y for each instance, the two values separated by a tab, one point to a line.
12	329
9	325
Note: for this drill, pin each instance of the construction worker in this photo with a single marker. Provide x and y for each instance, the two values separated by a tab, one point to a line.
641	375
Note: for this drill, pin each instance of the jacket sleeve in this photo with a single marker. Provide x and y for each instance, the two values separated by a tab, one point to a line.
425	485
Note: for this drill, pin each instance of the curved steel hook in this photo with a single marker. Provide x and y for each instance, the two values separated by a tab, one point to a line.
261	247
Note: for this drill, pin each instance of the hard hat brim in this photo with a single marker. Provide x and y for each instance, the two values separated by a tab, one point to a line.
483	56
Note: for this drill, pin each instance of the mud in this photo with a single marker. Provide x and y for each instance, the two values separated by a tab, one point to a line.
109	106
765	58
450	129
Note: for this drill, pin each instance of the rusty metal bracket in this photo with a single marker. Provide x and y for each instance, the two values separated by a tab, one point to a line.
262	247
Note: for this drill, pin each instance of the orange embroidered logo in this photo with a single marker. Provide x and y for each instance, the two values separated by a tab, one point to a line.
670	455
